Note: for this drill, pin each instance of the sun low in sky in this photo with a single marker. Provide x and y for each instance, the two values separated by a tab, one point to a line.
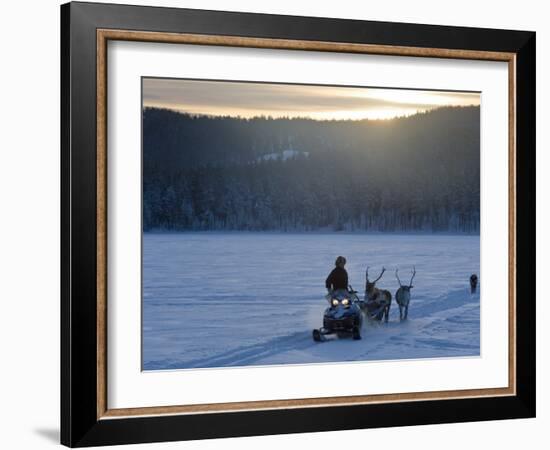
250	99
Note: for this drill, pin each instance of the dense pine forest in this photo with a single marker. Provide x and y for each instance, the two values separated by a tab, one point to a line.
412	174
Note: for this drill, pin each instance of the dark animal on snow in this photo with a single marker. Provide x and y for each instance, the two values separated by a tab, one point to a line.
377	301
403	295
473	283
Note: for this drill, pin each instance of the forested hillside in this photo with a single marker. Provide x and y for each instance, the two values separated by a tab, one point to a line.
417	173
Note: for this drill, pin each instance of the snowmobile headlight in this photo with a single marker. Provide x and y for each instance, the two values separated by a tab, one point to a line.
335	302
345	302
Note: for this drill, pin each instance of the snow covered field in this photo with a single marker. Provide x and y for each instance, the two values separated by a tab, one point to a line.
240	299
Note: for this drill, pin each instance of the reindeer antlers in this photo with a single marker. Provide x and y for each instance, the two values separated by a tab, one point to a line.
381	273
413	274
397	276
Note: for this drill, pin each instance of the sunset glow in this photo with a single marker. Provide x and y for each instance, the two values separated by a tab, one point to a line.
248	99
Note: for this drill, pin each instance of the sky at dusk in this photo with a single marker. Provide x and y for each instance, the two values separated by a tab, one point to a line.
249	99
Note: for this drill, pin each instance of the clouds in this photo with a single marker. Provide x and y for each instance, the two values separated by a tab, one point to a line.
248	99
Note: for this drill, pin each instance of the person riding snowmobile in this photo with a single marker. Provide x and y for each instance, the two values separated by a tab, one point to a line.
343	317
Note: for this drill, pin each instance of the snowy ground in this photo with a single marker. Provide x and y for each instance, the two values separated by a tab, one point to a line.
239	299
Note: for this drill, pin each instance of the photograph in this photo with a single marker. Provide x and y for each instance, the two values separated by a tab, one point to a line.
289	224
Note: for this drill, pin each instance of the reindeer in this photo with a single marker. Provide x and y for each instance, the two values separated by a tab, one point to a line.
403	295
377	301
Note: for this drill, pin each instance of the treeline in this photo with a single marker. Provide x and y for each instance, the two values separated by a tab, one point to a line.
419	173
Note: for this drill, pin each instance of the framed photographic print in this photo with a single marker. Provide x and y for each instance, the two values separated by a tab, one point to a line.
277	224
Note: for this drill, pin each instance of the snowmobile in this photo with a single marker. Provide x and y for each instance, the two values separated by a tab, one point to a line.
343	317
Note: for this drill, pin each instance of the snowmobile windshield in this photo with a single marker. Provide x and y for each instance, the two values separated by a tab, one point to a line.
341	294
